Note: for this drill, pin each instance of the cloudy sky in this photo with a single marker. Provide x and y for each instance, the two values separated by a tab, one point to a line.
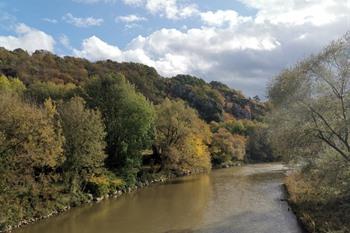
242	43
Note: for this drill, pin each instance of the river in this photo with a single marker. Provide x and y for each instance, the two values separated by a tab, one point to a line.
243	199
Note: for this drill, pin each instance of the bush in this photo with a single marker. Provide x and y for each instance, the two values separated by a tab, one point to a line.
102	185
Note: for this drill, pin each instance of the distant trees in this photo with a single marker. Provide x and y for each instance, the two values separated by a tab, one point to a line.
40	91
84	145
259	145
129	119
200	96
226	147
11	85
181	138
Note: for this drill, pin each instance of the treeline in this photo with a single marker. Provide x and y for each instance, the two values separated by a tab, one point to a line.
63	143
213	101
310	126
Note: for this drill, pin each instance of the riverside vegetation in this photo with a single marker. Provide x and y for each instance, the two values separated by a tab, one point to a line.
72	131
310	126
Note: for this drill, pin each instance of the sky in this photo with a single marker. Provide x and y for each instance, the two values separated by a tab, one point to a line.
242	43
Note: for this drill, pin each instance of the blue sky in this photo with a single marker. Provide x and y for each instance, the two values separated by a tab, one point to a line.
243	43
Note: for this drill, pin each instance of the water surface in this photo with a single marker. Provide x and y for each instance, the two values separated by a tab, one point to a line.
236	200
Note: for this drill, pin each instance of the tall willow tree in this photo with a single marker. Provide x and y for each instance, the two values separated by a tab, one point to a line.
311	102
129	119
310	123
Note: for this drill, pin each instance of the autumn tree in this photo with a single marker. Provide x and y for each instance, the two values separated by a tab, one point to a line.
181	138
11	85
226	147
84	145
40	91
30	152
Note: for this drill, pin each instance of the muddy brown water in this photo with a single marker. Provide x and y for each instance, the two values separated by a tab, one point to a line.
235	200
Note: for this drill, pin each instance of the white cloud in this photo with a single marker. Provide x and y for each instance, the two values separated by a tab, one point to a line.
64	40
170	9
244	52
223	18
29	39
54	21
130	19
172	52
298	12
82	22
95	49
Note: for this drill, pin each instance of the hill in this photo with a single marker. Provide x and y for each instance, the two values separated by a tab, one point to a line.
214	101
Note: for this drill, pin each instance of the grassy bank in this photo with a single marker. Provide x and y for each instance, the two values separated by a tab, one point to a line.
329	215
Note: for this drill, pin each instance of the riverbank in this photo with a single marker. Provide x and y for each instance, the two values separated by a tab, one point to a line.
321	216
241	199
89	198
143	182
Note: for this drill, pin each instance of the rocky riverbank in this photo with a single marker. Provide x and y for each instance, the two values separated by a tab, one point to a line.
115	194
92	199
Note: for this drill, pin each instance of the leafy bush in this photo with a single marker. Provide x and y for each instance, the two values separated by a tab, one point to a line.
102	185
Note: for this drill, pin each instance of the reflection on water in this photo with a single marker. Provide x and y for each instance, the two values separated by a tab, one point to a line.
242	199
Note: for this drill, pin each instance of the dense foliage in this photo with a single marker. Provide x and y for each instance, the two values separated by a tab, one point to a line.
72	130
309	125
129	119
182	138
84	134
41	69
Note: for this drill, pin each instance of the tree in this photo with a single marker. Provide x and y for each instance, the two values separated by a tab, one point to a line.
84	146
221	148
181	138
199	95
30	152
226	147
129	119
11	85
313	99
259	145
40	91
32	136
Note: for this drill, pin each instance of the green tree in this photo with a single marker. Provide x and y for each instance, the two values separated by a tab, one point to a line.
84	146
129	119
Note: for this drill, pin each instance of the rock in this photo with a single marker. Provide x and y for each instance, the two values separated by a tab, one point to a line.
98	199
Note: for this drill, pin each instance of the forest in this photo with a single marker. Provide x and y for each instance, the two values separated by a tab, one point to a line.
72	131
